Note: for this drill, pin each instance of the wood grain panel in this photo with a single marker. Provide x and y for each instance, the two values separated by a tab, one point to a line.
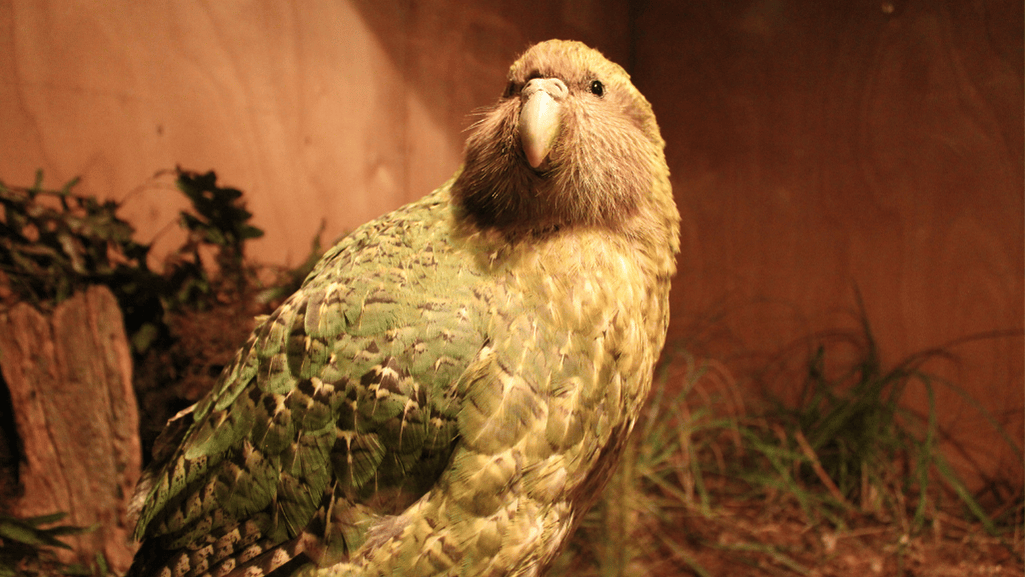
301	108
819	147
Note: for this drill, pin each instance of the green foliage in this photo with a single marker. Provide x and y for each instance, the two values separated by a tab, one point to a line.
220	217
849	434
184	319
26	546
219	220
54	242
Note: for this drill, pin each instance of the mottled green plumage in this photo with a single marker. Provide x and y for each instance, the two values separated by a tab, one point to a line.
450	388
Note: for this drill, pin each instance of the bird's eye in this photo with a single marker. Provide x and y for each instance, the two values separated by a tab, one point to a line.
597	88
510	89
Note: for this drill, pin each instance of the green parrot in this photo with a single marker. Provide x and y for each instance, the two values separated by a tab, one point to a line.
452	386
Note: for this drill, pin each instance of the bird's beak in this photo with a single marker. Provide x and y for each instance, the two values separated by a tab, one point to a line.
541	117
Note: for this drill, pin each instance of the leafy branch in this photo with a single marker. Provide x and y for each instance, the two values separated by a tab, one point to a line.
54	242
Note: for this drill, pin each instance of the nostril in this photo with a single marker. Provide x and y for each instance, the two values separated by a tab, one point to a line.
555	87
558	88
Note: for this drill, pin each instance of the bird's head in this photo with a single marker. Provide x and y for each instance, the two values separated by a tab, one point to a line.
570	142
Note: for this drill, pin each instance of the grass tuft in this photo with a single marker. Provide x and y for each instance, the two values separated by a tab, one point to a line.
843	477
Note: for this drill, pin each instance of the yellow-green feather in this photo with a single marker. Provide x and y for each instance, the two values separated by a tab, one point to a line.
441	397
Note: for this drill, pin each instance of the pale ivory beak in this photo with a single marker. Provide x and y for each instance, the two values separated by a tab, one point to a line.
541	117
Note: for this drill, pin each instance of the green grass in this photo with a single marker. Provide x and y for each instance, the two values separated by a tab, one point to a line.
705	471
27	547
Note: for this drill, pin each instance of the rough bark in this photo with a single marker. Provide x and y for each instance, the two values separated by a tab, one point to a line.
69	376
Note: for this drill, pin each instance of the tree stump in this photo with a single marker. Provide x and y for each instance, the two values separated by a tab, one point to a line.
70	380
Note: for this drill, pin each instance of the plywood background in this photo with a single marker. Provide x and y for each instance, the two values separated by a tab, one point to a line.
814	146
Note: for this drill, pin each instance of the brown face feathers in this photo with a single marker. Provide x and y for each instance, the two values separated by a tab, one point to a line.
603	163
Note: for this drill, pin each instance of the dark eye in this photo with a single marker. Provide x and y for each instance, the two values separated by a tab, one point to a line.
510	89
597	88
